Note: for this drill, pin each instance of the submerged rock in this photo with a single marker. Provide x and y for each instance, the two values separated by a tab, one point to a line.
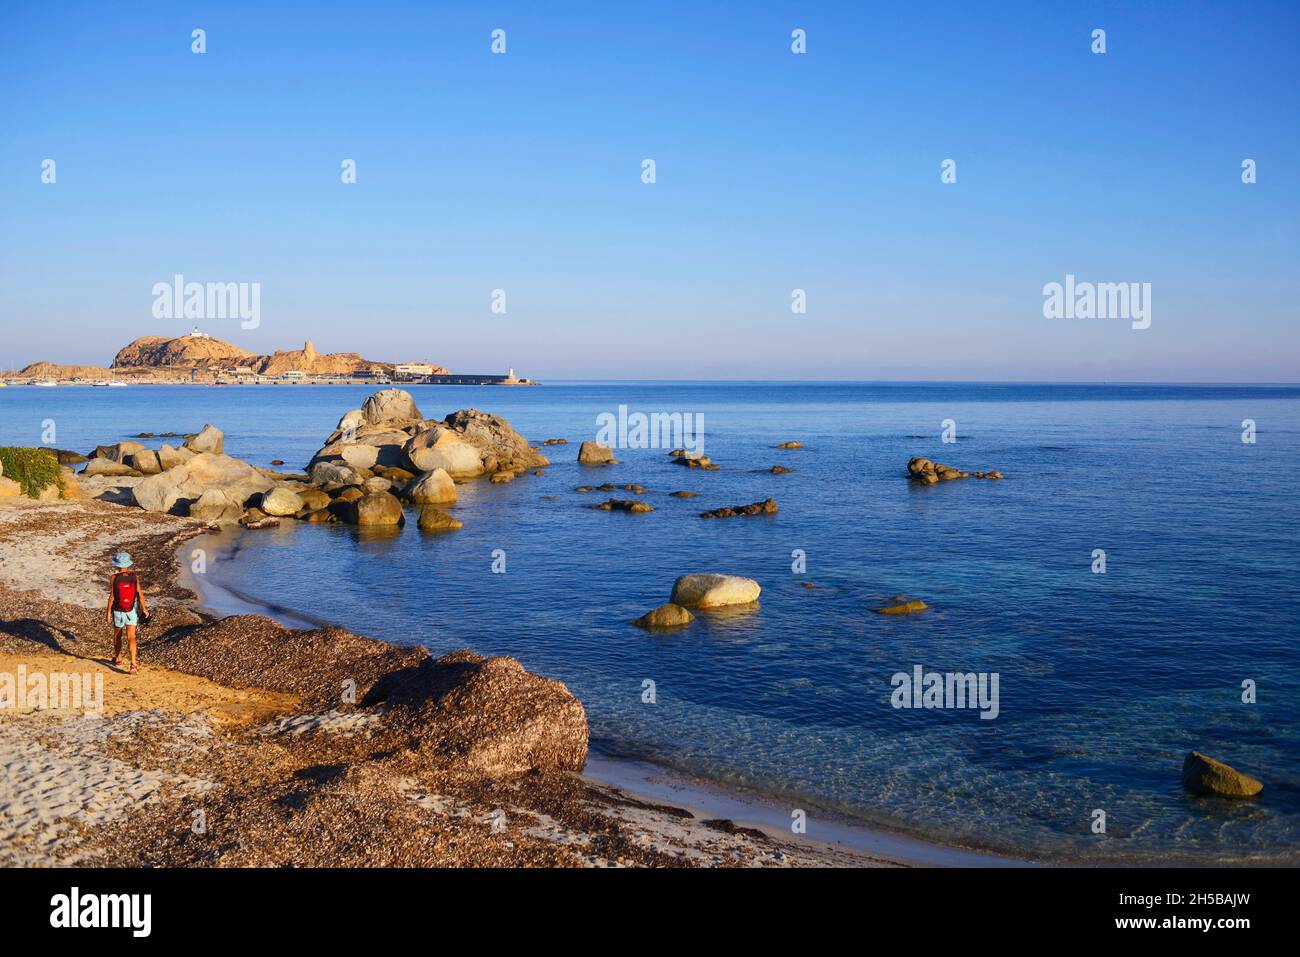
695	460
435	520
714	591
794	444
902	605
1203	774
666	615
765	507
623	505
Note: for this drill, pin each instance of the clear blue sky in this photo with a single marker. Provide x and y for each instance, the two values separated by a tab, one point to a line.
775	171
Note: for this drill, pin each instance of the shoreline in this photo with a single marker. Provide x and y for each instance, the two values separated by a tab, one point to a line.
227	718
646	780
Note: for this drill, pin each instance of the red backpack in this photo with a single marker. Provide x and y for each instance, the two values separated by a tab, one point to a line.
126	589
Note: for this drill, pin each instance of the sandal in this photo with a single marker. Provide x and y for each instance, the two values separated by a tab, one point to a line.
117	662
135	669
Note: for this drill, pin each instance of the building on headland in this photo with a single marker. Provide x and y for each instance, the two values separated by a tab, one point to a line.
473	378
413	368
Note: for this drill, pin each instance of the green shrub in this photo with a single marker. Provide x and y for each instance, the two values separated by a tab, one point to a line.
33	469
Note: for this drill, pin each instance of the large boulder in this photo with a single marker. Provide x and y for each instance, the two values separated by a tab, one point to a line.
432	488
714	591
145	462
313	499
1202	774
441	448
335	472
72	490
217	507
169	491
593	453
503	448
376	509
101	465
351	421
67	457
209	439
169	458
118	452
281	502
389	405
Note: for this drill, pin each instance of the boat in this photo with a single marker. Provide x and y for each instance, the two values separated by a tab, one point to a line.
117	385
44	384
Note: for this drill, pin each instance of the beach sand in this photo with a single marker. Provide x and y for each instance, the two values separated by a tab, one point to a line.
179	769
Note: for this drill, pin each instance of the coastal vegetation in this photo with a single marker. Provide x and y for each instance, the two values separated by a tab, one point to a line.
32	469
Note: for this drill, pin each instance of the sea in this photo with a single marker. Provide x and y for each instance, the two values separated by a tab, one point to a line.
1130	583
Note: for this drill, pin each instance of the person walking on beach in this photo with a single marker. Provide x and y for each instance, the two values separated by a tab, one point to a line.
125	606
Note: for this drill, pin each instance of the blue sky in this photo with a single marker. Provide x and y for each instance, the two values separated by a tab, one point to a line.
775	171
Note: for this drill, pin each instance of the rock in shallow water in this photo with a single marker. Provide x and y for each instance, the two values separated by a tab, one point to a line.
666	615
436	520
902	605
281	502
432	488
593	453
714	591
624	505
925	472
376	508
1203	774
765	507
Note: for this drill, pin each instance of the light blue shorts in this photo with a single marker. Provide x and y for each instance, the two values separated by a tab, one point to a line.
123	618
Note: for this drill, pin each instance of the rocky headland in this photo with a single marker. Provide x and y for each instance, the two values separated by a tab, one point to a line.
197	355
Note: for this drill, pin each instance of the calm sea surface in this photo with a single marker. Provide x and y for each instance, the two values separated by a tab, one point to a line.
1105	680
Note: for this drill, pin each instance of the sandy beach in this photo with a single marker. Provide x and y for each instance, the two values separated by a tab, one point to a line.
228	748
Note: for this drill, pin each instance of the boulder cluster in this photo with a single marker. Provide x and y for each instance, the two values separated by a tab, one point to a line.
704	592
765	507
925	472
378	458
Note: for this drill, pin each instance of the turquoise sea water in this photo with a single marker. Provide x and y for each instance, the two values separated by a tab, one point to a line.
1105	680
